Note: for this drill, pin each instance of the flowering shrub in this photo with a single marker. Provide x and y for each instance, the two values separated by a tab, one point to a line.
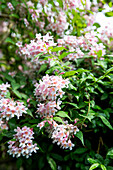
56	82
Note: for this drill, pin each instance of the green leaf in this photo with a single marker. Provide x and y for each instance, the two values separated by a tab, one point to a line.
19	162
9	40
60	3
8	77
110	153
49	48
17	93
73	104
80	136
64	54
58	119
105	121
92	161
110	4
94	166
24	96
53	63
96	24
15	85
63	114
80	150
69	73
99	54
56	49
72	87
52	163
90	12
38	55
41	162
57	156
42	68
103	167
90	116
102	63
14	15
29	112
104	96
12	123
109	14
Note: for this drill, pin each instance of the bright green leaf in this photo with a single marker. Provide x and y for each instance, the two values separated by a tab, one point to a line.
110	153
56	49
92	161
58	119
103	167
94	166
63	114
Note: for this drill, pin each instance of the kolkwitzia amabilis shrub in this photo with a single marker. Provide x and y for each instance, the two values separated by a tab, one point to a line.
23	143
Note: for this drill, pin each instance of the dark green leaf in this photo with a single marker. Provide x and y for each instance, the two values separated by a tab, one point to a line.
80	136
105	121
17	93
42	68
80	150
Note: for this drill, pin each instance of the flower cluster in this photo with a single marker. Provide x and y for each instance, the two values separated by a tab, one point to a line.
48	90
48	109
74	4
3	125
9	108
10	6
22	144
79	46
26	22
39	45
44	10
106	34
60	26
61	134
50	87
4	90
